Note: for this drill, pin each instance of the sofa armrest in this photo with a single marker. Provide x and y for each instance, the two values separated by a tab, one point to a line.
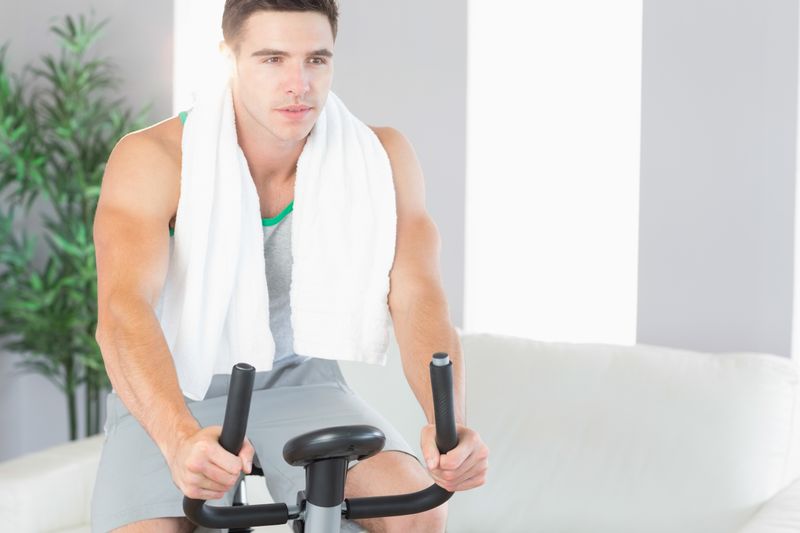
50	489
781	514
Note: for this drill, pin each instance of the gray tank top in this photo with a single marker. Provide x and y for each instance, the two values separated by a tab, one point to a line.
278	265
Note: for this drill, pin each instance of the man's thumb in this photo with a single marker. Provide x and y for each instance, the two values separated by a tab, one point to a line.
431	454
246	454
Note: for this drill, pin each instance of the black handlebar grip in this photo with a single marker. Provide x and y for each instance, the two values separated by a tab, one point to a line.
240	391
443	405
234	427
441	369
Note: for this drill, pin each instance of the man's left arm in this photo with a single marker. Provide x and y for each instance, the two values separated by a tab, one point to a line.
421	319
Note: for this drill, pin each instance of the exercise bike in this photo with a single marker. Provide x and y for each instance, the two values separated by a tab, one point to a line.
324	454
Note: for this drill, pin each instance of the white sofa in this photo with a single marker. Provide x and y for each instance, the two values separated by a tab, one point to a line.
584	438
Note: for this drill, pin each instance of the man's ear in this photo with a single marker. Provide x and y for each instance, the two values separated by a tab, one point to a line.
228	56
224	48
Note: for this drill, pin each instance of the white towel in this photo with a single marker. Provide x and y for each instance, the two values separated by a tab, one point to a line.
214	308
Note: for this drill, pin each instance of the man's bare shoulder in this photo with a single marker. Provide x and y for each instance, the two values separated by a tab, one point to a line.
409	182
143	170
397	145
162	139
385	134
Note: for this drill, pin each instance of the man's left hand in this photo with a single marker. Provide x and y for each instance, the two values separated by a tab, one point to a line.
462	468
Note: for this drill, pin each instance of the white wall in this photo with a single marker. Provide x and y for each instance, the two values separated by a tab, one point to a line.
553	169
718	171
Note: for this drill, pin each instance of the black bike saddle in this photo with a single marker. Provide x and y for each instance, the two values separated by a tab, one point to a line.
352	442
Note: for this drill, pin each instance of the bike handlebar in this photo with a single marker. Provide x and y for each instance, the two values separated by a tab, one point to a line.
234	427
237	410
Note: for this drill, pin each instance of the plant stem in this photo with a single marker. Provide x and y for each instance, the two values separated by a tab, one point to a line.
87	405
69	388
98	398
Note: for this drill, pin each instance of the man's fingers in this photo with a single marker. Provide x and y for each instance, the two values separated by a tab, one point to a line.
246	455
225	460
218	475
470	471
428	446
464	480
205	483
456	457
471	483
202	468
460	484
468	464
203	494
211	495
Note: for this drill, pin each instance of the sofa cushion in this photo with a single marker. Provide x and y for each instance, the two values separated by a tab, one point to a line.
49	490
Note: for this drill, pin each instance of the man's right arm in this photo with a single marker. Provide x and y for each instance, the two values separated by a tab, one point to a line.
138	195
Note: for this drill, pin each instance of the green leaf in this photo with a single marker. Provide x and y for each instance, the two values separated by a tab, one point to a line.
71	27
19	163
57	129
93	191
36	282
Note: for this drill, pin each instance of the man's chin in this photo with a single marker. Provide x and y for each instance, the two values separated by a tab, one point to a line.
297	133
291	137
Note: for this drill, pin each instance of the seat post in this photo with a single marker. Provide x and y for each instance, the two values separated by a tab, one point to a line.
325	480
325	454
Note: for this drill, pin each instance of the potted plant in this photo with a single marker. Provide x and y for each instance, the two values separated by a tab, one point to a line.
56	133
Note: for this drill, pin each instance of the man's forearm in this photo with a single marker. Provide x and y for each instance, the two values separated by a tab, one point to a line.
142	372
422	327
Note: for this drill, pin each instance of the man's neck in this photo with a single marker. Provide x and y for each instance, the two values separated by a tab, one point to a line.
272	161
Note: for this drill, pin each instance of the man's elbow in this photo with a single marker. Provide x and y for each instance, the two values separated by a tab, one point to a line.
418	294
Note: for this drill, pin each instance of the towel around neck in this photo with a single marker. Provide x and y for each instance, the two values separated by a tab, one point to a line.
214	308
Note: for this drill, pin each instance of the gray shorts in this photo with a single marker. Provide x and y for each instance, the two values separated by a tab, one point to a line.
298	395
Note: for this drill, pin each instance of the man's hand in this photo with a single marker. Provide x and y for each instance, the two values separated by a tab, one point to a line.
462	468
202	469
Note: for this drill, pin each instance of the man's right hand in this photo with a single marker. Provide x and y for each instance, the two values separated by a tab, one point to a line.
202	469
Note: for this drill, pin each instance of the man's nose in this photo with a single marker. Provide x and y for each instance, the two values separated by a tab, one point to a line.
299	80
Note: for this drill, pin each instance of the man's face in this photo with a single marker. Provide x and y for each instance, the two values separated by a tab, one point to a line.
283	61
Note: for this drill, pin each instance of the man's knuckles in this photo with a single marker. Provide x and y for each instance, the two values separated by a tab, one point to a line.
196	464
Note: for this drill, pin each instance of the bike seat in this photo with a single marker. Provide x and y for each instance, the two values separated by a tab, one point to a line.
353	442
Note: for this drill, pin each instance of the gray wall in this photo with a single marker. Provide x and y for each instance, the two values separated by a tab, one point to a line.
718	174
404	64
393	68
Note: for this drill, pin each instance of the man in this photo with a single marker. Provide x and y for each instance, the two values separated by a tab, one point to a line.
281	58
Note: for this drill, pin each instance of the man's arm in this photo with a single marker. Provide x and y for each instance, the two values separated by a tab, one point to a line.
422	320
132	247
131	239
417	301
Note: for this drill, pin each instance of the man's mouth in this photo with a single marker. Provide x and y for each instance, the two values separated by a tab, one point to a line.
296	113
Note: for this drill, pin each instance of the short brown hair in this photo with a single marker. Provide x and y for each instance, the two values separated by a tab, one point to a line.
238	11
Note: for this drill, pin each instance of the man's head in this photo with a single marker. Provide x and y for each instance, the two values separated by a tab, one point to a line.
281	54
237	12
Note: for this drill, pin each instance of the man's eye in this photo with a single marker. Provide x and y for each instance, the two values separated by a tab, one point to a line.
321	60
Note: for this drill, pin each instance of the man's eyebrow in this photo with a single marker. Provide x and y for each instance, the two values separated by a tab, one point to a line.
272	52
